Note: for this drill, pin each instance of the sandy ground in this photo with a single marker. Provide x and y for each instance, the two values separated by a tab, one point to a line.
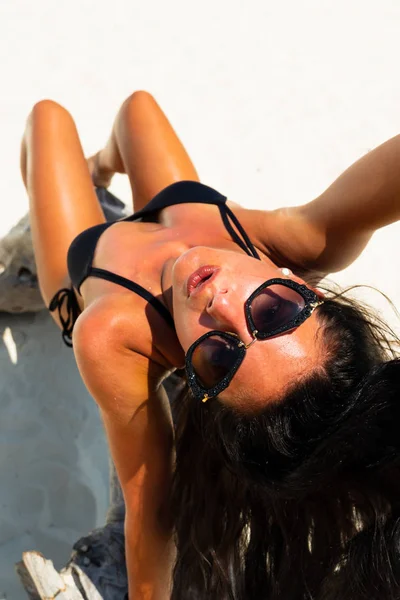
273	100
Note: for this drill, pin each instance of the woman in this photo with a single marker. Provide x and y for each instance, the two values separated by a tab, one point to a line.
286	476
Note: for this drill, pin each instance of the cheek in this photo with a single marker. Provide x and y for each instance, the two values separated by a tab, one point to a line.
187	328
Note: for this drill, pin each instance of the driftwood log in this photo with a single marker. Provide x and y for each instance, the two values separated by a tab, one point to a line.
19	290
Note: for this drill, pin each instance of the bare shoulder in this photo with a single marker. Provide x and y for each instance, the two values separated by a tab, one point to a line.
117	363
109	319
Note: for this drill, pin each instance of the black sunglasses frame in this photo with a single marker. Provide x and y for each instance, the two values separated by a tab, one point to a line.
311	302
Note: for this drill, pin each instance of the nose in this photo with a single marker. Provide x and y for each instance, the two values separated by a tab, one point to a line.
227	312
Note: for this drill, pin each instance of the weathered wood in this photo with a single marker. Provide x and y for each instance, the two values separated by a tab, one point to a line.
19	289
27	581
48	582
85	585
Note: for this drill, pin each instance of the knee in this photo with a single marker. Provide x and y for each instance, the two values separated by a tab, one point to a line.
44	110
140	100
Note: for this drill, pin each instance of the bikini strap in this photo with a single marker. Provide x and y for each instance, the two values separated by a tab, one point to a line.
194	192
136	288
246	245
66	299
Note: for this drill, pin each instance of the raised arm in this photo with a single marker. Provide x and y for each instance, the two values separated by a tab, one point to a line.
137	420
328	233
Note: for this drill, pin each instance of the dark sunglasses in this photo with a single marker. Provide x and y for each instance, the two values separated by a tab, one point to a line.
278	305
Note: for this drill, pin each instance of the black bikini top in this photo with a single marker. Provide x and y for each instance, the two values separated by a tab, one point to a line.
82	249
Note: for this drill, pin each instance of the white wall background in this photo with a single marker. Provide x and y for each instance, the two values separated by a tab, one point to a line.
272	99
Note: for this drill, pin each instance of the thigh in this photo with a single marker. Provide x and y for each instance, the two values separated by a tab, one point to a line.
151	151
61	195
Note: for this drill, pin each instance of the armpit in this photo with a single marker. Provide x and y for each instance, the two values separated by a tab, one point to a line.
289	240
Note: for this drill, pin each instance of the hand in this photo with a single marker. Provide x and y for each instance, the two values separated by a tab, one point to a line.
101	176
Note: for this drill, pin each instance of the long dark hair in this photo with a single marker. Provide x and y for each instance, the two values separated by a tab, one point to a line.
302	501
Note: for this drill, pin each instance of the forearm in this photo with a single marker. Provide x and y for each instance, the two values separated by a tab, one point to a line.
150	556
109	160
365	197
142	451
155	573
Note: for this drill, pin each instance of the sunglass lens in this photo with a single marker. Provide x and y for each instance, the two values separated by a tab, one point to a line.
213	359
274	307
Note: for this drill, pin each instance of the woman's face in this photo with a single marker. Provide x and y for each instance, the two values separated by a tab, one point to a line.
218	303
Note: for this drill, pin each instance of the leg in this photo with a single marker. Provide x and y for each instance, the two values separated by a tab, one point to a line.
61	195
144	145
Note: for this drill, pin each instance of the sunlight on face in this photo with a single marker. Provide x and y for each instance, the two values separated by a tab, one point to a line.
270	365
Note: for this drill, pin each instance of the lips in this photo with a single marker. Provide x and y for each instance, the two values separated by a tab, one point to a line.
200	278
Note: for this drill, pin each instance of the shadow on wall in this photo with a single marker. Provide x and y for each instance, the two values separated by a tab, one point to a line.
53	455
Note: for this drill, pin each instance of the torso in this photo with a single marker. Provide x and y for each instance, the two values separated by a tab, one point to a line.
139	251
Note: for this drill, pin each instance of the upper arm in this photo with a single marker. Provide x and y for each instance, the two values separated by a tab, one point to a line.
363	199
301	242
340	222
328	233
138	424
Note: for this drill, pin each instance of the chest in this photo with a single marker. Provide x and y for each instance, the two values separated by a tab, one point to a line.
139	250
